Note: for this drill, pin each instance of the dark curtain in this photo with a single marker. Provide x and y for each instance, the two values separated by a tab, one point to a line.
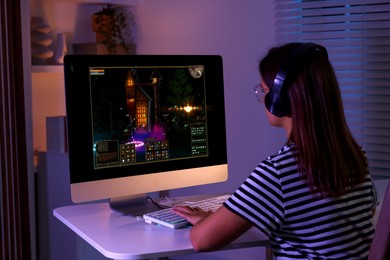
15	241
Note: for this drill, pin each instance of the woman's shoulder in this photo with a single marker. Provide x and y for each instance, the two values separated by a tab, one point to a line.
279	163
285	153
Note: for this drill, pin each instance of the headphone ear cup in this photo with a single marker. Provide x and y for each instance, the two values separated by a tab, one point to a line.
277	100
276	104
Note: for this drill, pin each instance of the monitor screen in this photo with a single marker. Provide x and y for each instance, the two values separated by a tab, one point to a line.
144	123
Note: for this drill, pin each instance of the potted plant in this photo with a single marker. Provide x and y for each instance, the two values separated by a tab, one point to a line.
113	28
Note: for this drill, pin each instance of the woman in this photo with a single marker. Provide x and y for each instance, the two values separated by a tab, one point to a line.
314	198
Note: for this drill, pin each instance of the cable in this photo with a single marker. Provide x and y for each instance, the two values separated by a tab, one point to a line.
155	203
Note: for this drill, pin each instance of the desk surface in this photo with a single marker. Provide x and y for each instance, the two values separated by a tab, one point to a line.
119	236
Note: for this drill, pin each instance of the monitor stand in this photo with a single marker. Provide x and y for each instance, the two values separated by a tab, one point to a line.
135	206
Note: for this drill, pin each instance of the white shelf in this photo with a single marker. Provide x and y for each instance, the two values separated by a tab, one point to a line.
118	2
47	68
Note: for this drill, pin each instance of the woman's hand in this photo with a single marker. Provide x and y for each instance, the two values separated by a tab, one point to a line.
213	230
193	215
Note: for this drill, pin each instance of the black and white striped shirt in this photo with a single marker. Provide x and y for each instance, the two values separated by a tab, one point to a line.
298	224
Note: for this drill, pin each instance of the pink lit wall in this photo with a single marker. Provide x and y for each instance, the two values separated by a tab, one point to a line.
239	31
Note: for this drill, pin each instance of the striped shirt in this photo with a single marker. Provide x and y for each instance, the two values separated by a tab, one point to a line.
299	225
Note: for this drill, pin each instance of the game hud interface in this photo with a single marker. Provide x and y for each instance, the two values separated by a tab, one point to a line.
146	114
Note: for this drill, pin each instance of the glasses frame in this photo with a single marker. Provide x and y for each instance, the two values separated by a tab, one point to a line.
259	93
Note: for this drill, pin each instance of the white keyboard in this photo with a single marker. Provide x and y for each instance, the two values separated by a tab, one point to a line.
169	219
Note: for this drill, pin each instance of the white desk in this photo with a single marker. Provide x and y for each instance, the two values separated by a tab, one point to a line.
118	236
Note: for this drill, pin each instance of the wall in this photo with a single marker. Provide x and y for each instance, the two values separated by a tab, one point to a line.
239	31
48	97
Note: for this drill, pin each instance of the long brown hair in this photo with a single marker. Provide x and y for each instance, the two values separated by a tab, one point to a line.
329	159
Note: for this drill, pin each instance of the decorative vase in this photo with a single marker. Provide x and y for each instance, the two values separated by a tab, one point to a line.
40	41
61	48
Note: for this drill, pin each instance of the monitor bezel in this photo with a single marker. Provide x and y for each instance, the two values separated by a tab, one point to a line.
76	71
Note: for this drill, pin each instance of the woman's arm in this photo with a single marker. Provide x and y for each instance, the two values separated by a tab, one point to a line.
213	231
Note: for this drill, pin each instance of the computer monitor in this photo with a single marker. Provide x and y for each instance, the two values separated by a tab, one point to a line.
139	124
